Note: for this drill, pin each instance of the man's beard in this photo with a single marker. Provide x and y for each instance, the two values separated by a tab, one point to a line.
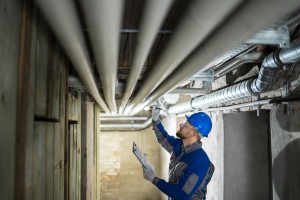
178	134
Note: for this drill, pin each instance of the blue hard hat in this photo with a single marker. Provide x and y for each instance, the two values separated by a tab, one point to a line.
201	122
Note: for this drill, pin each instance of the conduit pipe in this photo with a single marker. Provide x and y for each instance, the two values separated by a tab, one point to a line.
104	22
245	89
193	91
152	19
123	118
254	57
226	37
201	18
64	21
123	127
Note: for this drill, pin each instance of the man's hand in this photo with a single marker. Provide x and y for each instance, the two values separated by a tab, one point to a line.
155	113
148	172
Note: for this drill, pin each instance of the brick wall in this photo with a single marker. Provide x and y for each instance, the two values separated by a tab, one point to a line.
120	172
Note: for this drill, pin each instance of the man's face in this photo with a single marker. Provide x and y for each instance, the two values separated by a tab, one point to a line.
185	130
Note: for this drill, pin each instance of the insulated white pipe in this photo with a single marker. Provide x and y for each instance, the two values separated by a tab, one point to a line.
152	19
124	127
231	34
123	118
201	18
104	23
64	21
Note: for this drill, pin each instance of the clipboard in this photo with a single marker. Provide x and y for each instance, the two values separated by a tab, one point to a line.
139	154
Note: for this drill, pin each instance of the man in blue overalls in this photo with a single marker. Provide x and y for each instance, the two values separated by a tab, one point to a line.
190	169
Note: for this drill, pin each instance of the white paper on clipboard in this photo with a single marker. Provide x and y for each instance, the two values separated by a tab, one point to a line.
139	154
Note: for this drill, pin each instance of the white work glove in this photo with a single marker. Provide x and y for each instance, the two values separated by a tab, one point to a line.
149	172
155	113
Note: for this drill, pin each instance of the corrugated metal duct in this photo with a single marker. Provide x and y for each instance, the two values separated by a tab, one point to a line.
245	89
104	23
240	25
200	19
64	21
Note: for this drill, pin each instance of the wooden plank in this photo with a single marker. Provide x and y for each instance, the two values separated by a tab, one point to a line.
41	67
56	81
96	153
64	127
39	161
10	12
74	163
63	124
57	160
49	161
78	147
71	162
28	132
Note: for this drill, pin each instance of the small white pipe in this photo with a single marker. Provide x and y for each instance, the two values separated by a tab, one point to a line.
123	127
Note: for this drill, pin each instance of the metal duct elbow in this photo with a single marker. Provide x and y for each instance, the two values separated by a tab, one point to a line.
245	89
270	66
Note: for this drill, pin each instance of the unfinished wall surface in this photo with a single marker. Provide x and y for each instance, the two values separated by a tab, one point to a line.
246	156
214	147
285	145
32	136
10	24
121	172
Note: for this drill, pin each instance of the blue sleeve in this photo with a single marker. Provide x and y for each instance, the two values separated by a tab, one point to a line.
167	141
193	179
